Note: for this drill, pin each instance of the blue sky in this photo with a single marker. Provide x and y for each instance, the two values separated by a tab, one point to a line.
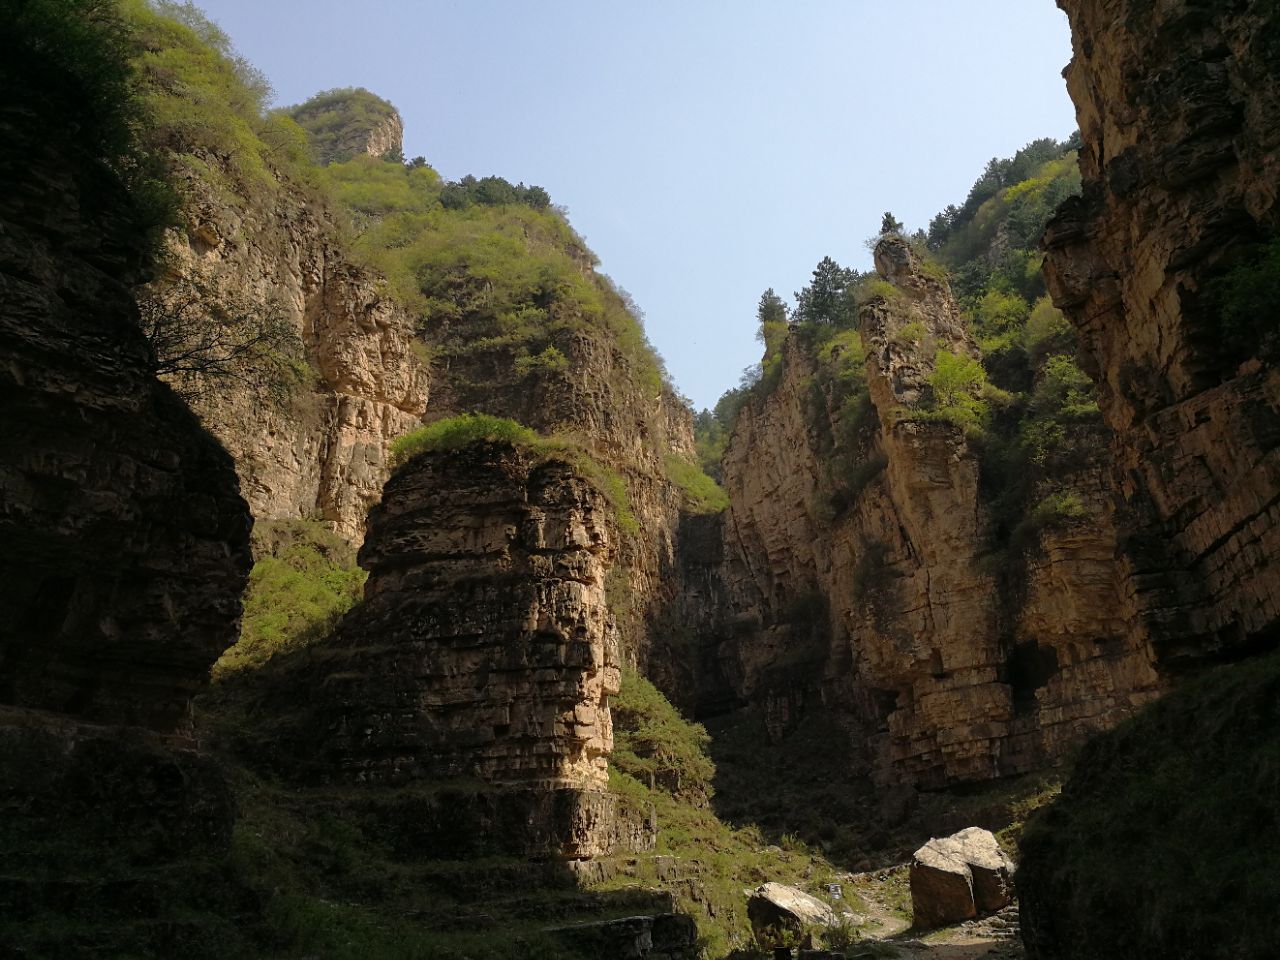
706	149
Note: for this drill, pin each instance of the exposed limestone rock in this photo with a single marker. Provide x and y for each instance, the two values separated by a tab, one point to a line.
948	662
631	426
323	451
484	649
126	541
1177	105
775	907
958	877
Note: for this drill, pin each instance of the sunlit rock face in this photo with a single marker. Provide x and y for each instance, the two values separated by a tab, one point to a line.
1177	105
484	651
317	445
950	660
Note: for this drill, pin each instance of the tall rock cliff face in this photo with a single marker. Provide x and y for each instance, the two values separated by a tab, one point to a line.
126	540
317	449
484	650
953	659
1177	105
631	423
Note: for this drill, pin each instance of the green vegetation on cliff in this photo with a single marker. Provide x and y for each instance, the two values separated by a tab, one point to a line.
660	763
205	107
334	119
490	268
304	578
465	429
1026	404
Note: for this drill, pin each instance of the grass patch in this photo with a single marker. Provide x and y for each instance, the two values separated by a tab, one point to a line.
660	762
462	431
701	493
305	577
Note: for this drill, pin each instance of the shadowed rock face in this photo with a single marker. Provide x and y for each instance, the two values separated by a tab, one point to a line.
1177	104
125	537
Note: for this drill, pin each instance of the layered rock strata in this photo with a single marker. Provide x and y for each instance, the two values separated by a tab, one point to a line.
631	426
1177	105
315	447
126	540
951	659
126	548
484	650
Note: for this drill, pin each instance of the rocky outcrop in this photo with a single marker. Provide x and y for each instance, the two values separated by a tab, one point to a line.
126	541
342	124
668	936
315	447
953	659
776	909
484	650
956	878
632	423
1177	104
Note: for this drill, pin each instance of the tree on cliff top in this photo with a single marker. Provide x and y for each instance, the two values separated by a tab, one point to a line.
830	298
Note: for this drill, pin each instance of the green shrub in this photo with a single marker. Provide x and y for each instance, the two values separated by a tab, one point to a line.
910	334
657	746
1247	299
701	493
304	579
203	101
1047	332
549	360
468	428
461	431
961	394
875	288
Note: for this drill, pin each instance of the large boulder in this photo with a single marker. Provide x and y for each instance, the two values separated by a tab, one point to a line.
958	877
774	908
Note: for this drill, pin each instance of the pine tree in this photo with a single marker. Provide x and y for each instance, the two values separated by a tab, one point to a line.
829	298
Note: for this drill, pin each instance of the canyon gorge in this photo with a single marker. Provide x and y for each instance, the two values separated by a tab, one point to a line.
498	668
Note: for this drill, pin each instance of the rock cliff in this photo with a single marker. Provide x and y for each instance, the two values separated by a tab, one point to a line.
1177	110
633	423
346	123
315	446
126	539
955	657
126	542
484	649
